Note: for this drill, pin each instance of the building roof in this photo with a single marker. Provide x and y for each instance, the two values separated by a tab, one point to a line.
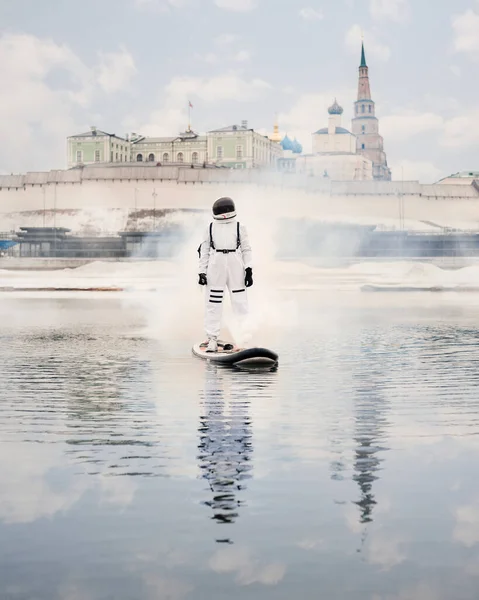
325	130
169	140
297	147
96	133
231	128
335	109
363	56
463	174
155	140
286	143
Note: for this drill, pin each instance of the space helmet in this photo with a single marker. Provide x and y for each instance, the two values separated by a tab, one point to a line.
224	209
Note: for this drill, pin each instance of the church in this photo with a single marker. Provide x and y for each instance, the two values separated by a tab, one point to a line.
342	155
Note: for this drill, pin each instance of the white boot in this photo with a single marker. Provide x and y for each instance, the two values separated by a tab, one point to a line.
212	345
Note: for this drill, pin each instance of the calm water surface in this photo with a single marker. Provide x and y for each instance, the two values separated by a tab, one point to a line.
130	470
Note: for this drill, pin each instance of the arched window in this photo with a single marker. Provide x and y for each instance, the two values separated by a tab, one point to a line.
179	157
139	158
362	147
194	158
166	157
151	158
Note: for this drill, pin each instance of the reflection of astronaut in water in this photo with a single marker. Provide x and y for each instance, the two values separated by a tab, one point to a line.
225	444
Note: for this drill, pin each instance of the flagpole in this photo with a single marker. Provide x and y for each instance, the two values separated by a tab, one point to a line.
189	115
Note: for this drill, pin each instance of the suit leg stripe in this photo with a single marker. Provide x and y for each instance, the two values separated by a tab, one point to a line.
217	291
215	301
239	291
216	297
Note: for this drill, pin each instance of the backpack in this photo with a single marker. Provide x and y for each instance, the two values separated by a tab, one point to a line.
212	244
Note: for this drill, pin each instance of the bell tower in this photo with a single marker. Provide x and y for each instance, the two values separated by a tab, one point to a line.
365	125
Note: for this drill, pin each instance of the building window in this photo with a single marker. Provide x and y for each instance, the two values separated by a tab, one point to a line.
363	128
194	158
239	152
179	157
363	108
219	152
151	158
362	147
166	157
79	156
139	158
370	108
116	157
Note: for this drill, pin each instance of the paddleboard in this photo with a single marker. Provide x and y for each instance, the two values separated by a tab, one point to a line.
228	354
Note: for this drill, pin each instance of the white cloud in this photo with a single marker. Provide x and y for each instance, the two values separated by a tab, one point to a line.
236	5
311	14
408	124
172	117
463	131
210	58
248	570
415	170
393	10
50	91
226	38
466	38
160	5
455	70
375	48
242	56
385	551
116	71
466	530
215	89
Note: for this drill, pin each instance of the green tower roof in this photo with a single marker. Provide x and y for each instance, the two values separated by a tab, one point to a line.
363	56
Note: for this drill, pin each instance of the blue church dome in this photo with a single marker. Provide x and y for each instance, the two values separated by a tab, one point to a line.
287	144
297	148
335	109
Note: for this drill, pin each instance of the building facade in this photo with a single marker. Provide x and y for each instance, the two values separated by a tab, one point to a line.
239	147
97	146
336	167
334	138
335	155
365	125
187	147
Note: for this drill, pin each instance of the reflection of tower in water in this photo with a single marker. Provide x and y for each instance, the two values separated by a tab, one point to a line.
370	418
370	423
225	446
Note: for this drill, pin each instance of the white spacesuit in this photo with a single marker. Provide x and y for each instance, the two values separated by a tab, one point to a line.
225	262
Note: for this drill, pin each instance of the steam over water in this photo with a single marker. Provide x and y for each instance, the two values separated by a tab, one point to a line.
130	469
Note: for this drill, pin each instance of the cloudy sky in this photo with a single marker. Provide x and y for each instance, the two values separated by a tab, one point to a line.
132	65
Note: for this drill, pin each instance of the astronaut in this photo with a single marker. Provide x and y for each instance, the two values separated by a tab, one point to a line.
225	262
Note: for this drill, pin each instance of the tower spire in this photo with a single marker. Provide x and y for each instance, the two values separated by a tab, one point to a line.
364	90
363	55
366	126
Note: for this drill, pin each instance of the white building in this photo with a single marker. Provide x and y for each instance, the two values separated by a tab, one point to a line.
334	138
335	153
